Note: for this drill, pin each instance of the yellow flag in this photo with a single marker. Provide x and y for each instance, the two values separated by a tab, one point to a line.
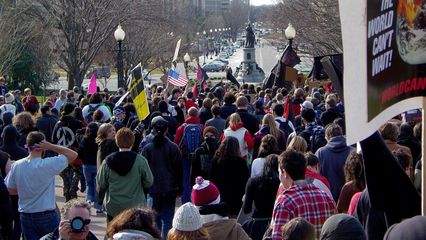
137	91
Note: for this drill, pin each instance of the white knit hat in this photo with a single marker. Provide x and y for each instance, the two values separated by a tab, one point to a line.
187	218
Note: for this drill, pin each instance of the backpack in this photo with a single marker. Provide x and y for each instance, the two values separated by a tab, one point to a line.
89	116
191	139
314	141
285	127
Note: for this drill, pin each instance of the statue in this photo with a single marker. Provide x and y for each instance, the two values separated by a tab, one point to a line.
250	38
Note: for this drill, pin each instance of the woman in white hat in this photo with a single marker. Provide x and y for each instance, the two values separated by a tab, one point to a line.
187	224
8	106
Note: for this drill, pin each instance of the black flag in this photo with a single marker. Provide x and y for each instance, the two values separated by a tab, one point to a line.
231	78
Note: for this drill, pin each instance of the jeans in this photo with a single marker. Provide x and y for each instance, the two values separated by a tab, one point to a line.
186	180
164	205
36	225
16	232
89	172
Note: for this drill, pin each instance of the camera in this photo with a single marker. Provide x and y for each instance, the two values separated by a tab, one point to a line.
78	223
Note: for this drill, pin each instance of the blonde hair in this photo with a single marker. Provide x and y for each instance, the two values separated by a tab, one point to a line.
298	143
23	120
102	132
200	234
234	119
269	121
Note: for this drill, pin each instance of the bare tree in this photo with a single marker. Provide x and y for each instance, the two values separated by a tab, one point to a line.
237	17
317	23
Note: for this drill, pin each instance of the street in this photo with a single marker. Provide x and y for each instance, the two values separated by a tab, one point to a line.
266	58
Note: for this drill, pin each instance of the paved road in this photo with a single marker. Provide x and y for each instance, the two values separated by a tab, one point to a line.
266	57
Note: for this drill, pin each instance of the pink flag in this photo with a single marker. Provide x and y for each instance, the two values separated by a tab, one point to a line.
199	76
92	85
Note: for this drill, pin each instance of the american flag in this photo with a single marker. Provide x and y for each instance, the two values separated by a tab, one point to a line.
176	79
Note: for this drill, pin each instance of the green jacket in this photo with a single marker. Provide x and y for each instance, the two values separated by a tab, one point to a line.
121	180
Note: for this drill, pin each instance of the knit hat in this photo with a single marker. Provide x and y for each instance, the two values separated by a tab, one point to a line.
342	226
9	98
412	228
118	110
204	192
158	121
317	95
187	218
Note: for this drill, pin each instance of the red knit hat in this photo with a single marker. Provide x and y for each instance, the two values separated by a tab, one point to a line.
204	193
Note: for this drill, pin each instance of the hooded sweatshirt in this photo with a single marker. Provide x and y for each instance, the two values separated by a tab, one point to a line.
342	227
332	158
218	225
10	145
122	178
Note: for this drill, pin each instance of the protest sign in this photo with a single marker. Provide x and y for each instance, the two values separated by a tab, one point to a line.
137	91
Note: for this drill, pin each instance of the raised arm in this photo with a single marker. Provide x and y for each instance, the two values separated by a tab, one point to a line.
69	154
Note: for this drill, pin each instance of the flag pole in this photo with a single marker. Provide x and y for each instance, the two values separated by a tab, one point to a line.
423	157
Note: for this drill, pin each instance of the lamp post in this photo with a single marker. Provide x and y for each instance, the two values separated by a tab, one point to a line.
119	36
290	33
205	46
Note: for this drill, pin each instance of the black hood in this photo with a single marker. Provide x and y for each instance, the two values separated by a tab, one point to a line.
10	135
121	162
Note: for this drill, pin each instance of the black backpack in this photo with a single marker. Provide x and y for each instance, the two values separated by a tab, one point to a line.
285	127
314	141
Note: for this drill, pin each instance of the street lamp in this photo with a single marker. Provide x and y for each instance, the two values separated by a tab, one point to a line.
290	33
119	36
205	46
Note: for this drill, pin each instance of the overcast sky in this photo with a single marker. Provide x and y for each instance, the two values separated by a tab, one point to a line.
261	2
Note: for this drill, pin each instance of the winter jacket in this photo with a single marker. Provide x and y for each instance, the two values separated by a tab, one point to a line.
227	110
166	166
205	114
406	138
23	133
203	159
332	158
87	151
250	121
245	139
329	116
121	180
230	177
46	123
215	219
218	123
60	129
105	148
10	144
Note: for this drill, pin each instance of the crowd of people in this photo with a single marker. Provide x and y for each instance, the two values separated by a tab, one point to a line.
227	163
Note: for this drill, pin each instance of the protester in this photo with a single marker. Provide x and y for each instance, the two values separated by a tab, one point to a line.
260	192
331	112
267	147
106	142
355	181
59	103
249	121
312	132
228	108
167	182
283	124
18	102
298	229
3	88
216	121
36	191
95	102
203	156
172	125
24	123
406	138
300	199
123	176
75	222
187	224
134	223
87	151
237	130
205	112
230	173
342	227
269	127
9	99
46	122
332	158
30	102
10	144
214	214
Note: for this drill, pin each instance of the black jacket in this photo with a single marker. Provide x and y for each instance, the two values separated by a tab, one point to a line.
23	133
329	116
45	124
205	114
105	148
63	136
87	151
227	110
166	167
201	165
249	121
10	144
